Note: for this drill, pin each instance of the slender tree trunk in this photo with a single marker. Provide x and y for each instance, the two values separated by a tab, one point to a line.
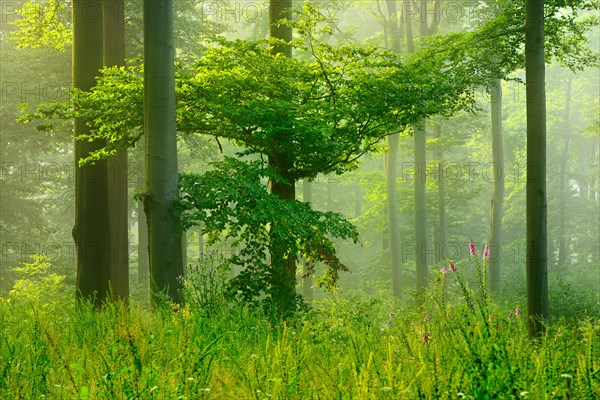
166	265
201	242
394	216
497	204
91	231
143	267
440	240
536	247
113	12
385	229
308	280
562	243
420	207
392	164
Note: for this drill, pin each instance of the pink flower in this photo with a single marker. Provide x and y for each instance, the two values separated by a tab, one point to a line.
472	248
517	312
486	251
451	266
392	315
443	270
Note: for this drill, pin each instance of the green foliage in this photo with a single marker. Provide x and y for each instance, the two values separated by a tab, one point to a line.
41	24
39	287
365	349
232	201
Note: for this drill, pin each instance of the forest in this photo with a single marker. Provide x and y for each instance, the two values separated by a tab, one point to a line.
300	199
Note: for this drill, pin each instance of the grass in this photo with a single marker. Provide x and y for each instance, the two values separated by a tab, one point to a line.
344	350
453	343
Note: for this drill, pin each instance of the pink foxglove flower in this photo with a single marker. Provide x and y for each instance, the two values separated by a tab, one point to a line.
517	312
472	248
443	270
451	266
486	251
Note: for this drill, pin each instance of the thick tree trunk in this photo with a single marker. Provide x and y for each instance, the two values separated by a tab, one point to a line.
91	231
308	280
278	10
166	265
497	204
536	246
113	12
562	242
283	265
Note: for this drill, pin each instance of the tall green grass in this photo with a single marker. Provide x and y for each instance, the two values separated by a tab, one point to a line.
453	343
343	350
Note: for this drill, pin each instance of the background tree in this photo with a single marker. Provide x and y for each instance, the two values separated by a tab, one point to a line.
113	19
91	231
536	252
164	238
497	203
393	40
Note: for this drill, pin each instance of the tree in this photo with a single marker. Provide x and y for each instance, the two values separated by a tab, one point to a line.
307	275
91	230
161	184
497	203
392	166
562	247
283	263
113	12
536	214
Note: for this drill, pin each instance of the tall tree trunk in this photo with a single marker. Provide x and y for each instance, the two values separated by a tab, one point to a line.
394	216
200	242
113	20
536	246
385	229
308	280
166	265
440	240
420	207
91	231
358	199
497	204
142	248
392	165
562	243
283	266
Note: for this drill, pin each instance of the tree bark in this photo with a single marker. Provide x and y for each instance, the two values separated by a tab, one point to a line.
497	203
283	265
562	242
536	219
440	240
91	231
420	207
394	217
113	20
166	265
392	164
308	280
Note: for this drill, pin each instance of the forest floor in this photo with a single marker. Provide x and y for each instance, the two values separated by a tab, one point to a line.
342	349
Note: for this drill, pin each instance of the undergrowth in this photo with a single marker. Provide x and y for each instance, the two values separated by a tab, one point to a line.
454	343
